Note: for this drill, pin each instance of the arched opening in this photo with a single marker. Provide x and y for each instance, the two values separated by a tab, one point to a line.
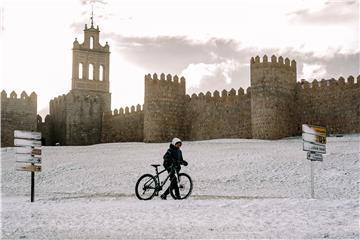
80	70
91	72
101	73
91	42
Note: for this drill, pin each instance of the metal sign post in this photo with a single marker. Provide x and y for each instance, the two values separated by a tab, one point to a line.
26	152
312	179
314	142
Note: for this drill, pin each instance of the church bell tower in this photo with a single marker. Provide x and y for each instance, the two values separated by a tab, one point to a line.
90	69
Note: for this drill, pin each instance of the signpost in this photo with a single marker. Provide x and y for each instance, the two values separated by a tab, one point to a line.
27	151
314	142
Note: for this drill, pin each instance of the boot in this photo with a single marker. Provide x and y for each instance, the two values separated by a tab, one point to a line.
163	196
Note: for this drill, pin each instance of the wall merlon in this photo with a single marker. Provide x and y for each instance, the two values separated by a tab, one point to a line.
273	59
3	94
162	76
248	90
241	92
350	80
281	60
155	76
232	92
23	95
287	61
176	79
13	95
33	96
265	59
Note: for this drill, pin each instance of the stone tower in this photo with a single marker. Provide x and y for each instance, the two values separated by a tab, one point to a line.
164	108
90	69
272	97
77	116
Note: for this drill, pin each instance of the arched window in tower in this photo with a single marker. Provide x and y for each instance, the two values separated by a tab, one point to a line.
101	73
91	72
80	70
91	42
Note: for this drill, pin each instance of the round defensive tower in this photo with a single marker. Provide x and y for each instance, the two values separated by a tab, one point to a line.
164	108
273	86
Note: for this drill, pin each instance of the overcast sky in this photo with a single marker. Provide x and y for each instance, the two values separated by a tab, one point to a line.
209	42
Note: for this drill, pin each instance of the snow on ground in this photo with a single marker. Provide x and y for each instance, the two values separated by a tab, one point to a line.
242	189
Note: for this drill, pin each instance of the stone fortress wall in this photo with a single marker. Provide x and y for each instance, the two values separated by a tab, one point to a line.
331	103
274	106
17	114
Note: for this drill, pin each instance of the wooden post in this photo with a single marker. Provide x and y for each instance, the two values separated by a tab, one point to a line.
32	186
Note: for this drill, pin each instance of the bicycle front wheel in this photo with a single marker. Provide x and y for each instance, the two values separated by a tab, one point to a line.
145	187
185	187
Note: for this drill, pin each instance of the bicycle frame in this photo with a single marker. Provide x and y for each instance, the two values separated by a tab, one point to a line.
158	184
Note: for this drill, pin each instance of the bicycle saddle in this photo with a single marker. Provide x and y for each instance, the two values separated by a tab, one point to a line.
155	165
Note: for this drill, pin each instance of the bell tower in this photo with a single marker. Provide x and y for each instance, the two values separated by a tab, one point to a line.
82	109
90	69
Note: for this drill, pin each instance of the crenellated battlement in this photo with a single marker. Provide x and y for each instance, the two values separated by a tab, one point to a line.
164	79
216	96
23	97
275	62
126	111
341	82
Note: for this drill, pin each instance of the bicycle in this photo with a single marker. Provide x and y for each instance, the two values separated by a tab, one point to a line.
148	186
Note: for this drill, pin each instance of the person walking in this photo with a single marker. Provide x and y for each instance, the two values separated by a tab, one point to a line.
173	158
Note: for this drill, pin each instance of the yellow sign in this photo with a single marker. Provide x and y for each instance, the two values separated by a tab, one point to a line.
316	130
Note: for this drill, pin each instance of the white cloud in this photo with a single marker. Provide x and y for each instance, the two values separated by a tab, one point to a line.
126	84
201	75
312	71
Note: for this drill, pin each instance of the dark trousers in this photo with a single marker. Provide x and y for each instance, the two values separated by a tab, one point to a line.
173	185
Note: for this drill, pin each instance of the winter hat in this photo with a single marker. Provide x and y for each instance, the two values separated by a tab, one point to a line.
175	141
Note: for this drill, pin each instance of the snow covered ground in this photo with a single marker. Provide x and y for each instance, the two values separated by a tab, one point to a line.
242	189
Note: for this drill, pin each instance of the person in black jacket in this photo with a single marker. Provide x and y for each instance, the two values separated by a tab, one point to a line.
173	157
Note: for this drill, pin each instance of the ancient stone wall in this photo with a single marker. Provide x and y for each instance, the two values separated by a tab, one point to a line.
45	127
164	108
17	114
272	97
212	116
124	126
331	103
77	117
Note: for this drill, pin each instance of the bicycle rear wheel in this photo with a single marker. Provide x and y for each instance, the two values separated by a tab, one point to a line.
145	187
185	187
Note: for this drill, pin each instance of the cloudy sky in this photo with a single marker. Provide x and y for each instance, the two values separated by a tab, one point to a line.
209	42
